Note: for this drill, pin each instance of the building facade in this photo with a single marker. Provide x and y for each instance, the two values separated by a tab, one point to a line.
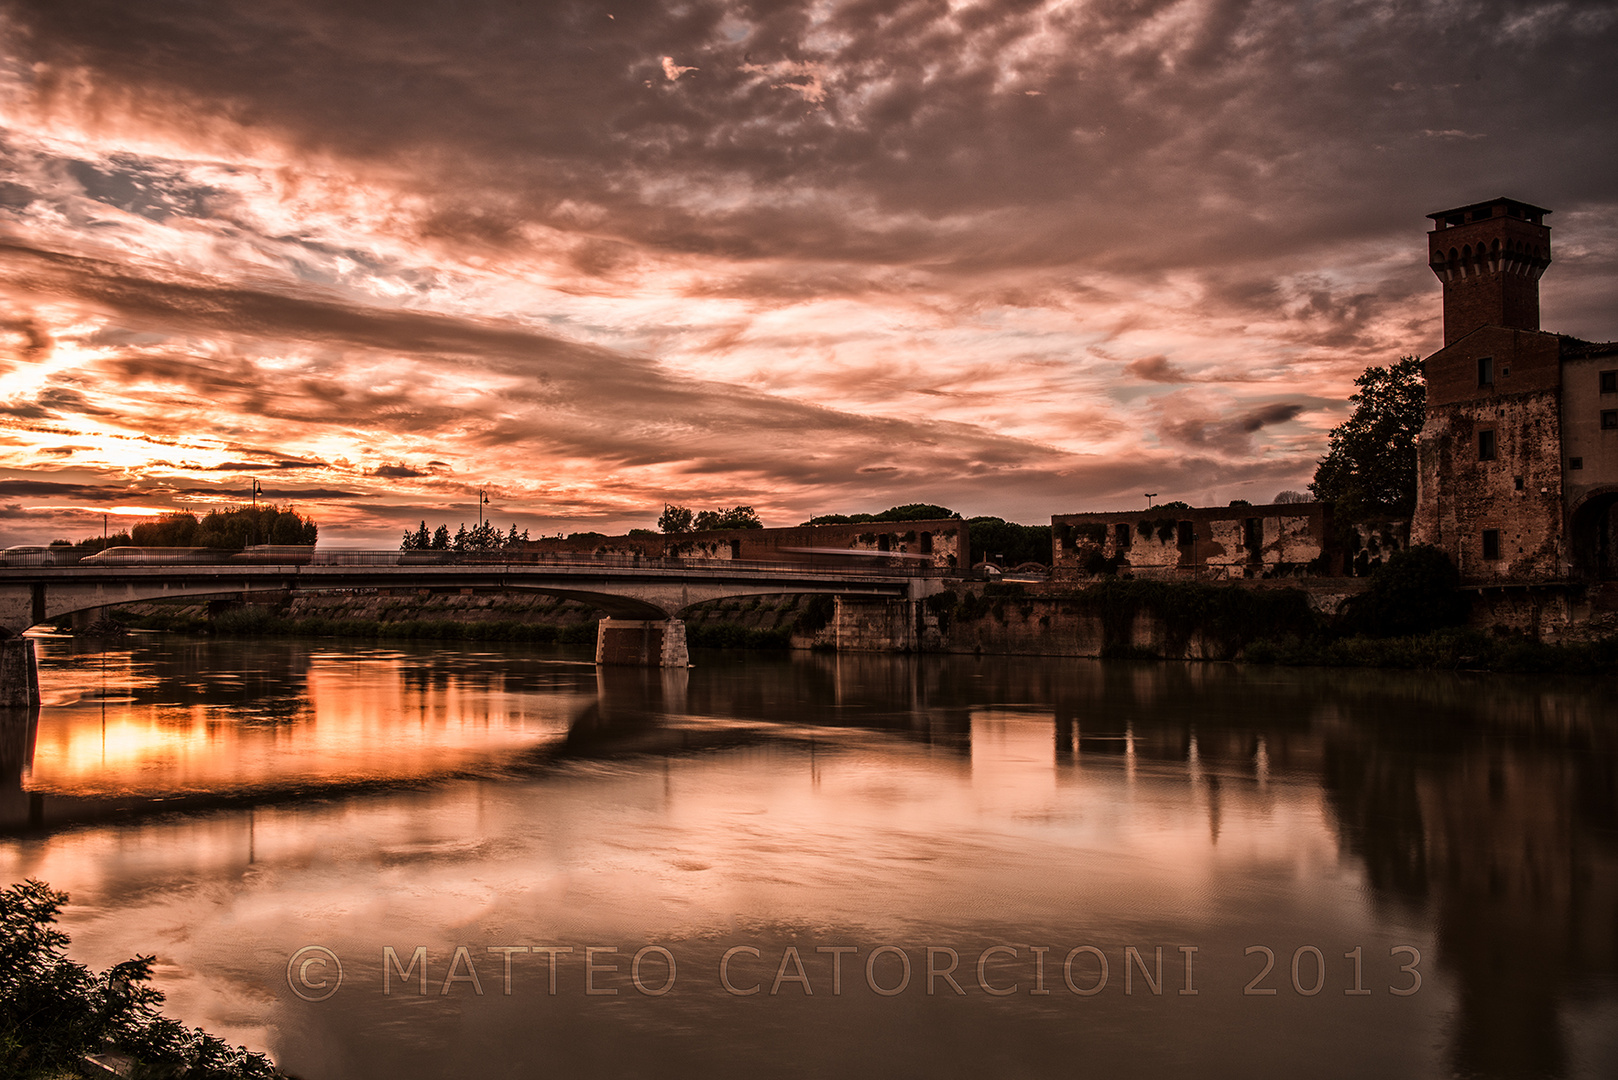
1517	475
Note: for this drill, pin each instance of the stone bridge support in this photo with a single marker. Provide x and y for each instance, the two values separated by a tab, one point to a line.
19	674
642	642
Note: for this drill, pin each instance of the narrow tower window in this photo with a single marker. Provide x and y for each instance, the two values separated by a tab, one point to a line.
1491	545
1486	445
1485	371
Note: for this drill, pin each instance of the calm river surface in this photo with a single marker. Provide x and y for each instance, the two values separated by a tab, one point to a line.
814	865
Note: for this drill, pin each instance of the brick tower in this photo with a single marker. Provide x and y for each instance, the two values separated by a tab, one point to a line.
1517	464
1489	460
1490	256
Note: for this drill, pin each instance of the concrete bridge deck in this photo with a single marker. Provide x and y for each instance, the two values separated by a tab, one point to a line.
642	597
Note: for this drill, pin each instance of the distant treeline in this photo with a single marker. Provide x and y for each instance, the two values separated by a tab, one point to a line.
229	530
481	537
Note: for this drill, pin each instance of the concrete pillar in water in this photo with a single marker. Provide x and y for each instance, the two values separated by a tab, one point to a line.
19	674
642	642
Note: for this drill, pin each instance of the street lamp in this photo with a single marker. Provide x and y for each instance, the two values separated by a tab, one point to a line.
1150	495
257	490
483	500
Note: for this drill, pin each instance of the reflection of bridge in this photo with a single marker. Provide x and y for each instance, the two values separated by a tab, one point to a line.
642	597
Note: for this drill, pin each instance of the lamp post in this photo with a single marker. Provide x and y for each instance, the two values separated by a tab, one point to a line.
257	490
483	500
1150	495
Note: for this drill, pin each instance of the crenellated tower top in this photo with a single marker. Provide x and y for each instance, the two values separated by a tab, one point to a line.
1490	256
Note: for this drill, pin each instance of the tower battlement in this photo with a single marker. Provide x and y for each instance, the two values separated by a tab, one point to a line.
1490	256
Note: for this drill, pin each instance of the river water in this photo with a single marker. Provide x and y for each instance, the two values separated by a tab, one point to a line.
444	862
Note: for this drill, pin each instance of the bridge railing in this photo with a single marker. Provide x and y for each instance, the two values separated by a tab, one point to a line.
854	563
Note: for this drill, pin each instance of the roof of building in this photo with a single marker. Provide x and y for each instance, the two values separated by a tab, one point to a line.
1461	215
1577	348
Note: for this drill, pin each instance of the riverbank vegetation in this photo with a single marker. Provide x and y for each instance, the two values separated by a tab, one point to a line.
54	1011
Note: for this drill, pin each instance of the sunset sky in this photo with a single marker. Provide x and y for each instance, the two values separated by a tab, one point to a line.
1017	258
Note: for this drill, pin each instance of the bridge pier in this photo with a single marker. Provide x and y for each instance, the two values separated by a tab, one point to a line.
642	642
19	674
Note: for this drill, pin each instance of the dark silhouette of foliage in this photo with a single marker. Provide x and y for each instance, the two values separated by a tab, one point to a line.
680	519
1416	591
229	530
54	1011
1006	543
481	538
675	519
907	512
737	517
1370	469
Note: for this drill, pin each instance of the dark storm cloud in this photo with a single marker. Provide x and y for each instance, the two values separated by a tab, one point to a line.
1157	369
1028	183
1229	435
257	466
53	489
1142	133
311	493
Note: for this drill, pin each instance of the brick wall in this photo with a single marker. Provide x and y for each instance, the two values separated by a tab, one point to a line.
1460	497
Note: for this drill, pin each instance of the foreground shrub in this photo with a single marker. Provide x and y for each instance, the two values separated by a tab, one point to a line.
1416	591
54	1011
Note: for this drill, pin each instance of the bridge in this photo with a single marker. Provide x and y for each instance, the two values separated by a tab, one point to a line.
642	598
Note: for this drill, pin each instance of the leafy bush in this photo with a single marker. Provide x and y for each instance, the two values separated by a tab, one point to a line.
1416	591
54	1011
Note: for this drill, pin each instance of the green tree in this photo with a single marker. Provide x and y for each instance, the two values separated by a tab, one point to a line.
675	519
1370	468
737	517
441	538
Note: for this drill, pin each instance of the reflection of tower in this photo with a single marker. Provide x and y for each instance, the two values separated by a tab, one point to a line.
1507	841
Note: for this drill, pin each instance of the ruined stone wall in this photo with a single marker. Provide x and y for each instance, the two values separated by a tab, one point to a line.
1207	544
1518	494
1371	543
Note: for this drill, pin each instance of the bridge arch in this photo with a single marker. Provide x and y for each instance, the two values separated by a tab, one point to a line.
37	595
